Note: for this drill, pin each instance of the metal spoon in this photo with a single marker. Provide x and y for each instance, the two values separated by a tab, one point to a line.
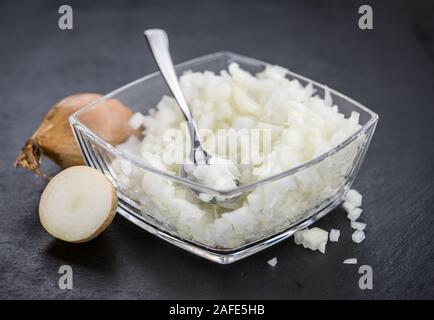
159	44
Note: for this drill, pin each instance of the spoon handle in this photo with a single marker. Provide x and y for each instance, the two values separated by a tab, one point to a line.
159	44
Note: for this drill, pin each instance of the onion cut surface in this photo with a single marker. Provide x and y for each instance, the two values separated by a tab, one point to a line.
77	204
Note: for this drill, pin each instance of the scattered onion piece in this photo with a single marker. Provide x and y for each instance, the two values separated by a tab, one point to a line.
298	236
272	262
322	247
358	225
350	261
315	239
354	197
334	235
358	236
354	214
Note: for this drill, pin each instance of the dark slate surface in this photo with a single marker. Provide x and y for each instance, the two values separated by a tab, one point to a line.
389	69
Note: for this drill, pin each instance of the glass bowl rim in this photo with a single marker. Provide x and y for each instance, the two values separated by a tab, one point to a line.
75	122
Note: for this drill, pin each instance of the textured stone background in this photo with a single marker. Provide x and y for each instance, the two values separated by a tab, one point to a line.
389	69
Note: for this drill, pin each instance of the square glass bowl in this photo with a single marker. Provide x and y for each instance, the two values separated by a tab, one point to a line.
325	179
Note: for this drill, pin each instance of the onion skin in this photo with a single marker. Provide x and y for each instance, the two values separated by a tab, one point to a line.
55	139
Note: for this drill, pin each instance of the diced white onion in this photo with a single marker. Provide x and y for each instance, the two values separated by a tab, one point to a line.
358	236
354	214
322	247
298	236
205	197
334	235
220	173
350	261
354	197
313	238
272	262
348	206
358	225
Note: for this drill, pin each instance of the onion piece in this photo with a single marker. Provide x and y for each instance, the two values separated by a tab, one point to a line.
314	238
272	262
354	197
354	214
334	235
205	197
322	247
358	225
298	236
350	261
358	236
348	206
